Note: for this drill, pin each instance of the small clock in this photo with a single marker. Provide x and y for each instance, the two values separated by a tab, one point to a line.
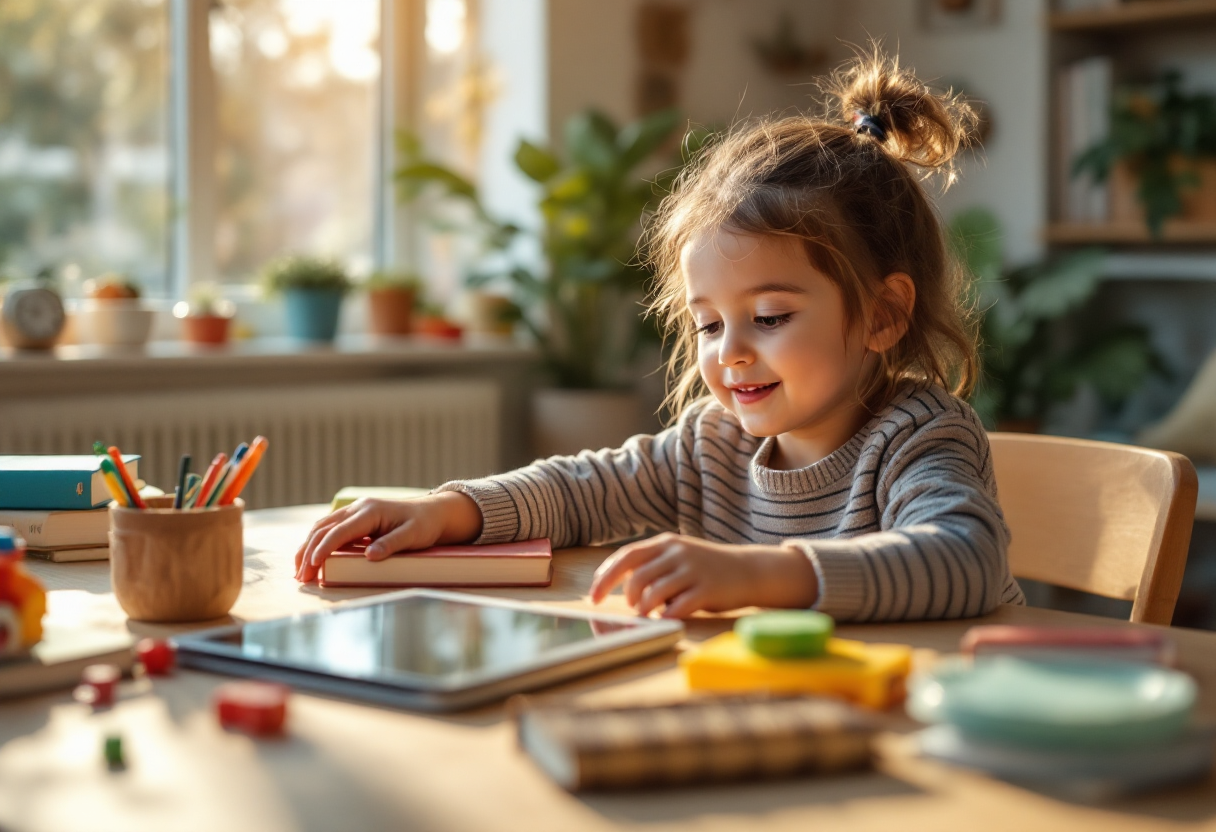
32	317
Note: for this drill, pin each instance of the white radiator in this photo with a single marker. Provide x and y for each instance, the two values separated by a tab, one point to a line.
417	433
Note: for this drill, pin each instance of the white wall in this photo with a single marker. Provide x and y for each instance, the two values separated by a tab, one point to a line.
1006	65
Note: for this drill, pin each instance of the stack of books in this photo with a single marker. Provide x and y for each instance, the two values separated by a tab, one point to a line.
58	504
1084	101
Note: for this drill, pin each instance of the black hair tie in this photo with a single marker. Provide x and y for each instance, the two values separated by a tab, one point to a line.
866	123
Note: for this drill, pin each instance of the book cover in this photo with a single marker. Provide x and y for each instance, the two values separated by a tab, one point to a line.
700	740
55	529
527	563
57	660
56	482
70	554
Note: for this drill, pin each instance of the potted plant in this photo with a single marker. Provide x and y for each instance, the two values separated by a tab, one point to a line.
1028	364
206	316
312	290
390	300
112	314
1162	142
581	306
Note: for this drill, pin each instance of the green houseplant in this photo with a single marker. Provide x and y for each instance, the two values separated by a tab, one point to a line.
312	290
581	304
1027	363
1160	132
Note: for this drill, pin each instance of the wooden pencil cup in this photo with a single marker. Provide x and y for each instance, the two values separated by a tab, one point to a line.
172	565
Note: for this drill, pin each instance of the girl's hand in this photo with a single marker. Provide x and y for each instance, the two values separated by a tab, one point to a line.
685	574
395	525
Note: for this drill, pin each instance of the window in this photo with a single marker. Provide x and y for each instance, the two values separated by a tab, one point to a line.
83	155
296	131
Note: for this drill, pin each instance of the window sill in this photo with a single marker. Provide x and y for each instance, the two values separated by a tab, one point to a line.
174	364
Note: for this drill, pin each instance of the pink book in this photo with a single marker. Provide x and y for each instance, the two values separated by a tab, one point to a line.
1116	643
527	563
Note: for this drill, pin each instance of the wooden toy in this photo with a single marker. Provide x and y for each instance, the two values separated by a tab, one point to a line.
157	655
22	598
257	708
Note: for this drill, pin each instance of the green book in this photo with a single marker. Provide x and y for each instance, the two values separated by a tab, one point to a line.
381	492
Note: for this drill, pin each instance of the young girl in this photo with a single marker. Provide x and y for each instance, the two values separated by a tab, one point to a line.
805	274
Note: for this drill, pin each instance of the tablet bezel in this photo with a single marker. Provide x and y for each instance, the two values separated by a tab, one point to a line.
643	636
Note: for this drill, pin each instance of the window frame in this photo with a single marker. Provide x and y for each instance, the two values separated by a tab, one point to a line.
192	139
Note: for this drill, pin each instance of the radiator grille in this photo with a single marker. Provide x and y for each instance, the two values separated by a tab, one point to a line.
418	433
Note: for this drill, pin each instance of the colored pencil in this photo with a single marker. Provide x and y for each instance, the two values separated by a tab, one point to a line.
193	481
113	484
125	476
213	472
248	465
183	470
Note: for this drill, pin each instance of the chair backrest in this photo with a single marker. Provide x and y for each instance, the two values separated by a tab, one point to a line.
1113	520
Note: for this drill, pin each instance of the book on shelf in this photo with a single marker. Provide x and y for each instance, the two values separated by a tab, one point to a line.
59	529
57	661
694	741
1084	100
70	482
527	563
70	554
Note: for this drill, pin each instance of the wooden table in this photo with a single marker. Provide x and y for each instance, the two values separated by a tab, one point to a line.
348	766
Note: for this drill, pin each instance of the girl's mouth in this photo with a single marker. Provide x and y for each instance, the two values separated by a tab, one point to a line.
753	393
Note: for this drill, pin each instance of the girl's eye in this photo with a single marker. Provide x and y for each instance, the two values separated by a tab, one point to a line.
709	328
771	321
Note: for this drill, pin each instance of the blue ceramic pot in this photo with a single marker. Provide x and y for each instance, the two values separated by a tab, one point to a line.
312	314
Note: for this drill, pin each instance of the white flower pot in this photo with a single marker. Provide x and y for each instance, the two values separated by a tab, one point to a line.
569	421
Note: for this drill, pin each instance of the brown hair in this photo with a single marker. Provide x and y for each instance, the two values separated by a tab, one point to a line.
848	187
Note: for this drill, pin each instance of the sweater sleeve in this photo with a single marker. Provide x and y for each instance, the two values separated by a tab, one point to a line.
593	498
941	552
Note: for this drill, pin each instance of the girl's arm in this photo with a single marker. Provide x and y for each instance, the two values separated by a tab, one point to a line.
942	551
592	498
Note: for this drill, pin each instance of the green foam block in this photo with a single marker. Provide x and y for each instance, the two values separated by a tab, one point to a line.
793	634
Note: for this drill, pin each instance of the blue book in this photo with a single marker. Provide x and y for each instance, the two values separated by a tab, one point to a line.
56	482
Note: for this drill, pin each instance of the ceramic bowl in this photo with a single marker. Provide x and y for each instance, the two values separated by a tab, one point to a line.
114	323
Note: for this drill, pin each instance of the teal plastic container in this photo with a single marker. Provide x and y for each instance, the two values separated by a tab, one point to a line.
1055	704
789	634
312	314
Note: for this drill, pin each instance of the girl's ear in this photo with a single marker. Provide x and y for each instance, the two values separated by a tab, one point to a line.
894	314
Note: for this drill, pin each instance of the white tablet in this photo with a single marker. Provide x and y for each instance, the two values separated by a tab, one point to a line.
427	649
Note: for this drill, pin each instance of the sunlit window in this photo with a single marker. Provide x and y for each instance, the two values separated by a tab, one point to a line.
296	95
84	162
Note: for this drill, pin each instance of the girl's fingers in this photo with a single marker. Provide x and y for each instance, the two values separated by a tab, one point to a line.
317	531
352	528
398	540
684	604
668	586
626	559
646	574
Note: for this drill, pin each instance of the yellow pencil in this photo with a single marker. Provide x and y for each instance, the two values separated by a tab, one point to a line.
110	477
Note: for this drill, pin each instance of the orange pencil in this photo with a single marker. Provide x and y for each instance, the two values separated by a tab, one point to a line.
213	473
233	490
125	476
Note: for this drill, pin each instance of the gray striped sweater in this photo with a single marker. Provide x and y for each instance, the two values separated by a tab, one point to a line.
900	523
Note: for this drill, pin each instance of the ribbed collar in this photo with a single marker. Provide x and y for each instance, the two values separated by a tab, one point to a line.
818	475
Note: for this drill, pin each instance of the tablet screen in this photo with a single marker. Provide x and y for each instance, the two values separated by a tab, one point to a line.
417	635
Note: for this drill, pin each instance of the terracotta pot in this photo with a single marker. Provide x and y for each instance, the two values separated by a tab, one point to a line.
392	310
174	565
206	329
1198	203
490	314
568	421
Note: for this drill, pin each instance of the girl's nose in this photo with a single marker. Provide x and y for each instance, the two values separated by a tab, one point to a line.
734	349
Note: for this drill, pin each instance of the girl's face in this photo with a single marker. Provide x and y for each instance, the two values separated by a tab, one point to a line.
772	345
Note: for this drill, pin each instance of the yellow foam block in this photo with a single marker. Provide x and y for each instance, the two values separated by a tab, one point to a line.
872	675
354	492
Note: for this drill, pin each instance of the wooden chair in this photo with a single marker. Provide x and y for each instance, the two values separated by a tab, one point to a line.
1113	520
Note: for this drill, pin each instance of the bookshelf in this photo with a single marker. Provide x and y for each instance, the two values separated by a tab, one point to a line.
1130	17
1139	38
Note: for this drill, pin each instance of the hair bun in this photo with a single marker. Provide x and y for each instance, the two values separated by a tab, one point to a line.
889	104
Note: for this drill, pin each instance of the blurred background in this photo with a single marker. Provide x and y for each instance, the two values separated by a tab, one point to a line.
485	165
